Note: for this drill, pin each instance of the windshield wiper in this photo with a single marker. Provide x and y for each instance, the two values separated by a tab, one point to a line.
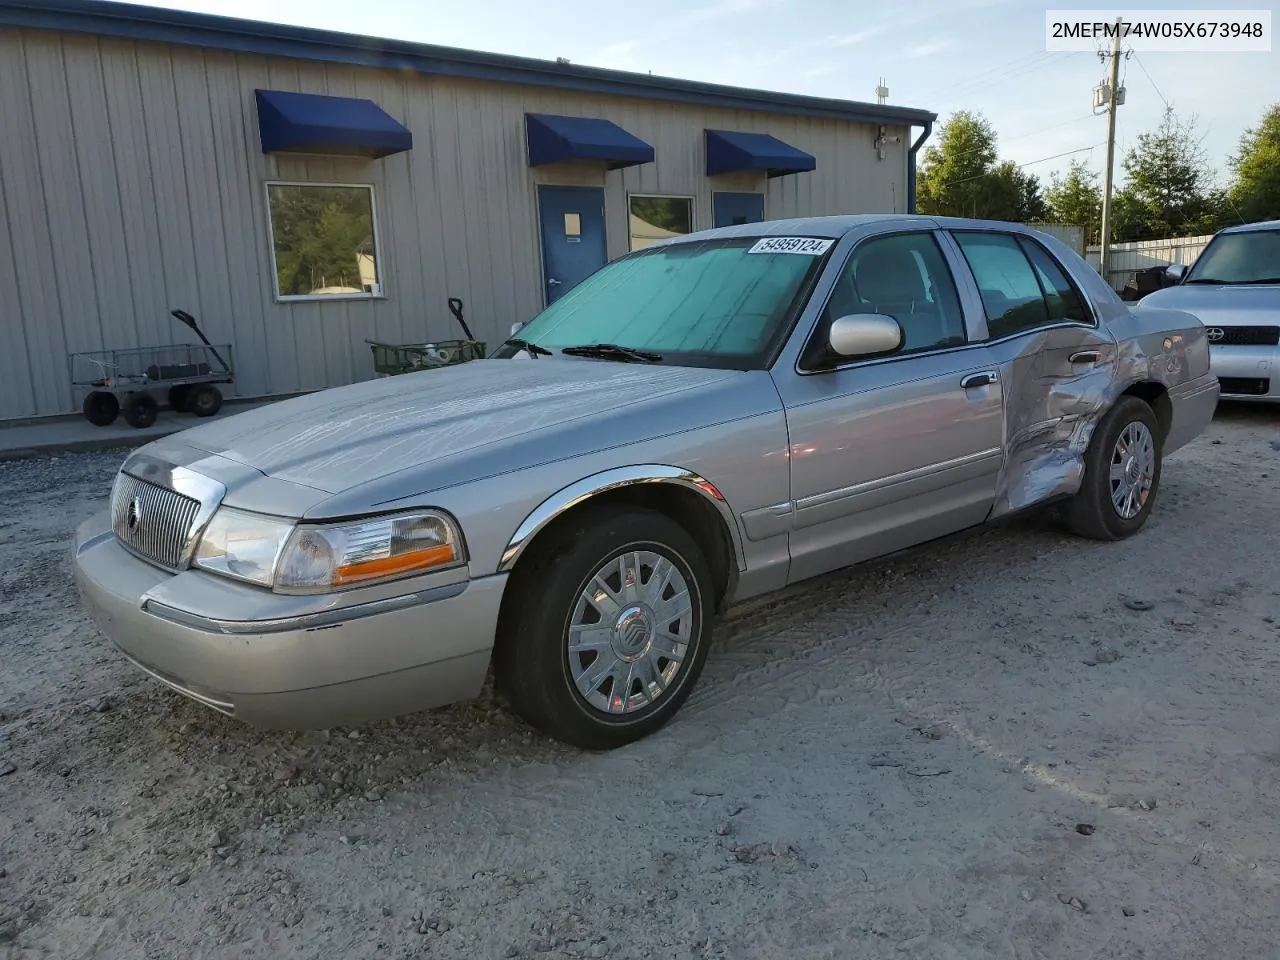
531	348
611	351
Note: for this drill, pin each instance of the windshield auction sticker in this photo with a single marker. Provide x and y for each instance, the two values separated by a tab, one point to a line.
805	245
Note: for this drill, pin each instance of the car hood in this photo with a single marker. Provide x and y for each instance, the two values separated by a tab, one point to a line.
1221	306
339	438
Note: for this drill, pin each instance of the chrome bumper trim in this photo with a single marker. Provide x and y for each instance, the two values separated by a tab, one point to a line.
310	621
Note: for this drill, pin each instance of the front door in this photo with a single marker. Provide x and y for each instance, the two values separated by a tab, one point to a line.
573	244
731	209
893	451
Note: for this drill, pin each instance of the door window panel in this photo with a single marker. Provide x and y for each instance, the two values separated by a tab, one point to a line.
903	276
1011	294
1060	296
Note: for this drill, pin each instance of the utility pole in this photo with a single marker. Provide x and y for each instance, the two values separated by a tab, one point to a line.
1112	102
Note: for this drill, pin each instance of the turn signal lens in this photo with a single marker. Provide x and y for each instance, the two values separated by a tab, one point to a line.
330	556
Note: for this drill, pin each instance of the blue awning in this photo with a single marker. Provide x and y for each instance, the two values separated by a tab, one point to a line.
731	152
345	126
555	139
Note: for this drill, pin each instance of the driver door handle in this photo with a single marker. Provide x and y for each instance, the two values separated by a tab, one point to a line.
1086	356
984	379
553	282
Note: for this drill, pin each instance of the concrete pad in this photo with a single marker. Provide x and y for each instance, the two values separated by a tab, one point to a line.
53	435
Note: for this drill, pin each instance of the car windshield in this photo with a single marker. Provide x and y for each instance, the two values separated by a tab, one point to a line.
1249	257
712	303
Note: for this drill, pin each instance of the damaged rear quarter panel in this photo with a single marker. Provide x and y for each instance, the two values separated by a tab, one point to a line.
1052	407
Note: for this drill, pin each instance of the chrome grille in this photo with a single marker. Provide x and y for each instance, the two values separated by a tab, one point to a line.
152	521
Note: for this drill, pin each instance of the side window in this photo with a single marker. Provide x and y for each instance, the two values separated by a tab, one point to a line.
1011	294
903	276
1063	301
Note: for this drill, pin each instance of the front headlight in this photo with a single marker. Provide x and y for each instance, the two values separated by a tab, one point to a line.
243	545
291	557
320	557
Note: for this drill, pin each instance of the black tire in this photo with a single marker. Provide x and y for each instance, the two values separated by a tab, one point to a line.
1091	512
101	408
179	397
140	410
532	660
204	400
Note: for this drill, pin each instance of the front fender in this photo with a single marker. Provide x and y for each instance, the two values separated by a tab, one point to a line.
570	496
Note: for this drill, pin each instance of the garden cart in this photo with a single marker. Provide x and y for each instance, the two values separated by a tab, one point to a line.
127	381
390	359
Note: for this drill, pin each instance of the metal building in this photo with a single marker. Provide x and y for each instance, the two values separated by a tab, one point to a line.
301	191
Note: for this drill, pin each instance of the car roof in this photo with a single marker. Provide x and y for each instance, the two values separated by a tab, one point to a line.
1248	227
837	226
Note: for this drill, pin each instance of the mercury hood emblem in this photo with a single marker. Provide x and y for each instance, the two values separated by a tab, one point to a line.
134	514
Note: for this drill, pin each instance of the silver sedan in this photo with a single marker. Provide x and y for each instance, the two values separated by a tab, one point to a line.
700	422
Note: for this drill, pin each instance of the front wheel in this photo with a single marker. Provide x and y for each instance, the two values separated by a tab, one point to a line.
606	628
1122	474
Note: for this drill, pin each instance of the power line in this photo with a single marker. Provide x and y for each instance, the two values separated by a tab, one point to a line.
1153	83
1023	136
980	176
1013	68
992	71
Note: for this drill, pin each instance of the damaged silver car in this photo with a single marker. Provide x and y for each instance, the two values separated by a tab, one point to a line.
700	422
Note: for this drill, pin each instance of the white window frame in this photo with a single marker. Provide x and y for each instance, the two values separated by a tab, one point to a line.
380	288
693	210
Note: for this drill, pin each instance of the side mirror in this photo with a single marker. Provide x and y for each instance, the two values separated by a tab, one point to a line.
515	327
1175	272
865	335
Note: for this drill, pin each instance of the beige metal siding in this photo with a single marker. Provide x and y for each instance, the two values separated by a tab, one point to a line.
132	182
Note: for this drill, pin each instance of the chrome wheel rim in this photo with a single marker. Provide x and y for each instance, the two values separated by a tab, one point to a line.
630	632
1133	470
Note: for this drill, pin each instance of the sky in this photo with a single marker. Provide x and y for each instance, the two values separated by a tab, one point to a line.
939	55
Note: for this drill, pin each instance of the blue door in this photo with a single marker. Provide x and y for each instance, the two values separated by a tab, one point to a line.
573	246
735	208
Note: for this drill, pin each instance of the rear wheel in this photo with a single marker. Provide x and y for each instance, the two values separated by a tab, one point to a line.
140	410
1122	474
204	400
606	628
101	408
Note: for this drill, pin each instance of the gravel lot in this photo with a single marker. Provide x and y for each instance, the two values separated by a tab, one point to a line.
1014	745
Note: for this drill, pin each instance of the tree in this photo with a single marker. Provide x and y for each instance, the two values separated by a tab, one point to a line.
1076	198
952	171
1254	193
1168	183
1031	204
961	176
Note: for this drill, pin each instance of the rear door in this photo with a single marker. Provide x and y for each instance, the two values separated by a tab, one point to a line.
1056	360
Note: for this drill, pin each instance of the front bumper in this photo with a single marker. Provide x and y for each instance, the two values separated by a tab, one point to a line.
292	665
1249	372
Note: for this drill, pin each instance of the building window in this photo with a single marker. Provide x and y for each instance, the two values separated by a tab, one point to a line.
657	218
323	240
